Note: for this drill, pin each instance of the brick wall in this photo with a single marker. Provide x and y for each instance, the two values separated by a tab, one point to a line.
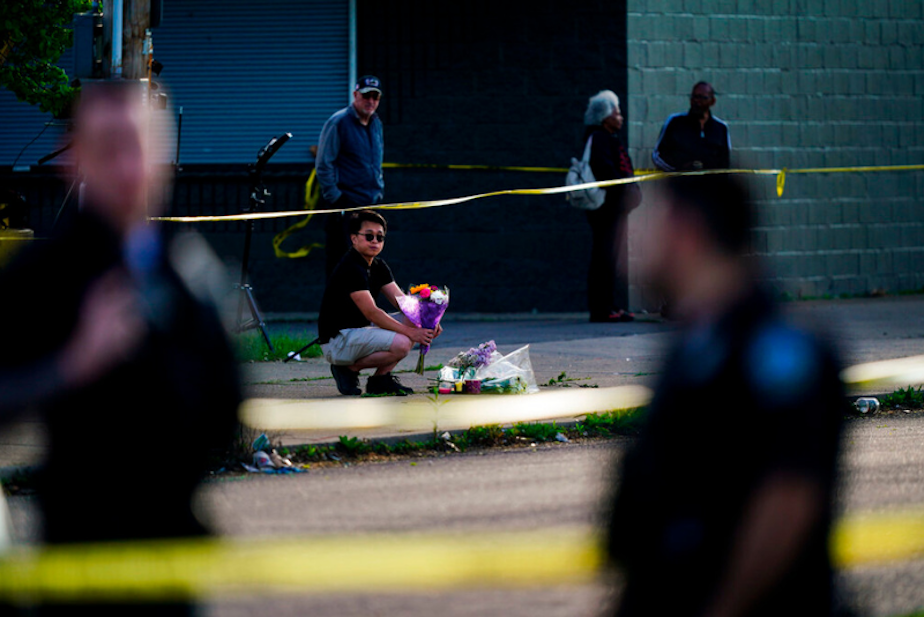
802	83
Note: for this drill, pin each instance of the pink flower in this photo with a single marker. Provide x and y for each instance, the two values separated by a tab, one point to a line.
425	293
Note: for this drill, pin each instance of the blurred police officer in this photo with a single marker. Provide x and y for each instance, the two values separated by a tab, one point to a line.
724	503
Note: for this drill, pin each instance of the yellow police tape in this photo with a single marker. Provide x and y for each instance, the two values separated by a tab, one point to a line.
877	537
459	412
646	177
450	413
199	568
897	372
312	198
176	569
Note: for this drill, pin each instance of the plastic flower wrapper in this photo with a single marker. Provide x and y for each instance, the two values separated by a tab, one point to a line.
424	307
511	374
502	374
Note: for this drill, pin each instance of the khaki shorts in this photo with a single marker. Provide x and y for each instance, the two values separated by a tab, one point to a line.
355	343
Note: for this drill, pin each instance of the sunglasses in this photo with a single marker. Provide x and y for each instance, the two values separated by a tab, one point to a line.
371	95
369	236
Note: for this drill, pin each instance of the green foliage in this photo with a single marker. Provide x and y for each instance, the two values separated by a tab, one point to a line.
251	347
406	446
33	35
904	398
536	431
481	436
353	446
304	452
610	423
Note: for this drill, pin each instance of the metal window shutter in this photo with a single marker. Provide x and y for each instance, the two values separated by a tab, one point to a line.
244	72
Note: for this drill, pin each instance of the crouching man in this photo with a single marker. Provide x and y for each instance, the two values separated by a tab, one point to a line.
355	333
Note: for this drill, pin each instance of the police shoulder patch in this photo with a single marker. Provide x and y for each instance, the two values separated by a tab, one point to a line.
781	364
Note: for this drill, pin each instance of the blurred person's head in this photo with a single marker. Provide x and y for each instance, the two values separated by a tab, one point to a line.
701	99
112	148
603	109
698	235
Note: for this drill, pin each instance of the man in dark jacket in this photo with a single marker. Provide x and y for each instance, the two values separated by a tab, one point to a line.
349	164
695	140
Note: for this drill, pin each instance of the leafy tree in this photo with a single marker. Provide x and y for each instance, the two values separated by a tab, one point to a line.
33	35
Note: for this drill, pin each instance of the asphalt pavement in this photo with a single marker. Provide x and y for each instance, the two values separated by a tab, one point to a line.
548	487
603	355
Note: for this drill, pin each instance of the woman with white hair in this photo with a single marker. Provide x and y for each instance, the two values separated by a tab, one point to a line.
607	284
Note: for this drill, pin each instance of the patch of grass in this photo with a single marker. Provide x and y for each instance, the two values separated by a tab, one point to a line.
353	446
564	381
536	431
251	347
610	423
904	398
602	425
481	436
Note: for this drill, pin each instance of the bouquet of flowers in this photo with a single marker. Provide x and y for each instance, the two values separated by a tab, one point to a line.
424	307
484	370
474	358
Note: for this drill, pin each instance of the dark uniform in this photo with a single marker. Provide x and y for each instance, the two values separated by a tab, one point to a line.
127	452
741	399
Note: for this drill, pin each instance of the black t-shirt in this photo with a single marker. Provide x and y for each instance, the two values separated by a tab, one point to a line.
748	397
338	311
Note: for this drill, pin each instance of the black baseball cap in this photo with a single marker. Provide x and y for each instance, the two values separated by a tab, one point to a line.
368	83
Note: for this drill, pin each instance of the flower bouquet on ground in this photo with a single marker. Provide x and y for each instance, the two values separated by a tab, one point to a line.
424	307
484	370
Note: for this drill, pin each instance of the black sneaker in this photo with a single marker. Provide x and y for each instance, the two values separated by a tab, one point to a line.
386	384
347	380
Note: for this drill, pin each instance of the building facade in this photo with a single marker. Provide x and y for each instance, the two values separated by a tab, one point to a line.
801	83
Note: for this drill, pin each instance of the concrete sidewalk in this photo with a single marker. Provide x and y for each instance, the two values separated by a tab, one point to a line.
593	354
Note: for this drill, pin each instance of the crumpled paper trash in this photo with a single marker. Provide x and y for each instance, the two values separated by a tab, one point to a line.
269	462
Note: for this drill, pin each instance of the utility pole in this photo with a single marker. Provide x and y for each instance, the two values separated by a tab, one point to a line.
125	23
135	25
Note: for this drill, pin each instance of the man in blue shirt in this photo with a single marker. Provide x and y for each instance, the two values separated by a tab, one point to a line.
349	163
695	140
